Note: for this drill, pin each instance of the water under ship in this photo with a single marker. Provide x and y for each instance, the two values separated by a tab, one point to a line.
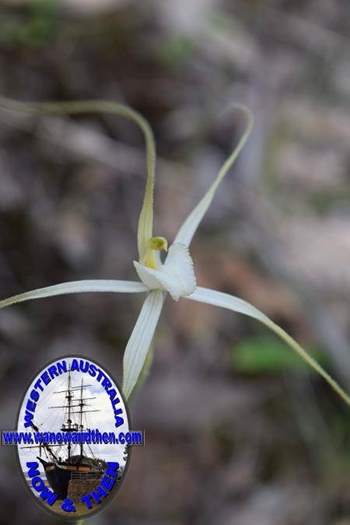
67	463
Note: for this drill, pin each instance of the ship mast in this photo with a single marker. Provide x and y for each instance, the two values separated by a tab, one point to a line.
68	424
68	427
81	404
74	406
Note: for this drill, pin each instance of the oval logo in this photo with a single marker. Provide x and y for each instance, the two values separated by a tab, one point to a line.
75	437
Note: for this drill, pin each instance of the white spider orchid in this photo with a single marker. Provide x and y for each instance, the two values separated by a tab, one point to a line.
176	275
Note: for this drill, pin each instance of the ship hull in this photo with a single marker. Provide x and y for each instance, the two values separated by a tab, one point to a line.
58	479
59	475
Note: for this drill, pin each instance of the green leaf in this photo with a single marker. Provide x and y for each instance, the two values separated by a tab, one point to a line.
264	354
236	304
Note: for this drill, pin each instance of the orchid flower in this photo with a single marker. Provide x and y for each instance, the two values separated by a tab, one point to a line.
176	274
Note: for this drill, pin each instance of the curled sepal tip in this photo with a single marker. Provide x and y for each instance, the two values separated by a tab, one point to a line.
145	222
191	223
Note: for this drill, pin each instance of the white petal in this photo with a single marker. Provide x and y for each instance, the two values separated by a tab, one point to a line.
158	280
148	276
140	340
230	302
175	276
99	285
190	225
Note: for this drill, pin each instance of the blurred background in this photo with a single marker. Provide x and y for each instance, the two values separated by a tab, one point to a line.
238	431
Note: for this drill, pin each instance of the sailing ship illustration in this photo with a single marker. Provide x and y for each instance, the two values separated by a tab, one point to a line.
72	463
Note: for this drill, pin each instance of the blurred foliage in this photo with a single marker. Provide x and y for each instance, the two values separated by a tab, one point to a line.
325	202
35	26
265	354
175	51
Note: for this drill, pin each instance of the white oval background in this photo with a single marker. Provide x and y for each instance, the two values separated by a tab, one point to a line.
51	420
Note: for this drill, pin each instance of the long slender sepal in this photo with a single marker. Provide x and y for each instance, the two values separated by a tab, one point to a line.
230	302
190	225
145	370
71	287
145	222
140	340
